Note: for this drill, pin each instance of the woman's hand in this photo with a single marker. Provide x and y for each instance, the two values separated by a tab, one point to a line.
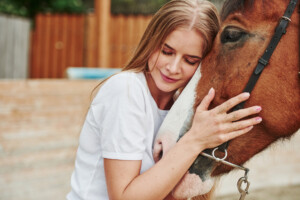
216	126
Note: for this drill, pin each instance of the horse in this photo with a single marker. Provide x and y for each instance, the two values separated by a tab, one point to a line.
247	28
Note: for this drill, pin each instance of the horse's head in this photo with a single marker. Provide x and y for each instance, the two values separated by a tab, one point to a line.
246	31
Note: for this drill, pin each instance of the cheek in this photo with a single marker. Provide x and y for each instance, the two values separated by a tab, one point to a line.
153	61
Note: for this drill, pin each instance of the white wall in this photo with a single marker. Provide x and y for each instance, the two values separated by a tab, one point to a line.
14	46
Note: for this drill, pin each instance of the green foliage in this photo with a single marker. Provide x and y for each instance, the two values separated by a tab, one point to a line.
29	8
9	7
144	7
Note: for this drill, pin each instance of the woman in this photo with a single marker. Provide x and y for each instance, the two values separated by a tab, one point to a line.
114	158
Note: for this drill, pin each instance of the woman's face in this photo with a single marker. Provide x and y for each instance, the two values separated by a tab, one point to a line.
173	65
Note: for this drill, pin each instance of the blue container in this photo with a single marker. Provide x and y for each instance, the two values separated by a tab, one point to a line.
90	73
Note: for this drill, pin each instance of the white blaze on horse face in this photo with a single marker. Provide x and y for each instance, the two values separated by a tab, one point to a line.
178	118
191	185
176	124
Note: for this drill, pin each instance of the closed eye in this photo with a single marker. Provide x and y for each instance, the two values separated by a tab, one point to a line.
166	52
192	61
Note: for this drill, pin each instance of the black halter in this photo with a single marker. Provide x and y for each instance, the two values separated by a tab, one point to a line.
263	61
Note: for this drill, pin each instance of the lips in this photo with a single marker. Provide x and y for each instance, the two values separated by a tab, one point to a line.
168	79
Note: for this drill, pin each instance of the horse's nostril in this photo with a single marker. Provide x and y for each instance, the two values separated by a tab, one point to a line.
160	154
158	151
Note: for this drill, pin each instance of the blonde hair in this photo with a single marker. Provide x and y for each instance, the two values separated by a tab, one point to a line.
200	15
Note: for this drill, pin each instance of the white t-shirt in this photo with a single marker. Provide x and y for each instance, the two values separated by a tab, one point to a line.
121	123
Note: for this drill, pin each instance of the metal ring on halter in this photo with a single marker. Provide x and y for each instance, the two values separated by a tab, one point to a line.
286	18
219	159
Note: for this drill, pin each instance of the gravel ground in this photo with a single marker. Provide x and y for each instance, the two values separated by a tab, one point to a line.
272	193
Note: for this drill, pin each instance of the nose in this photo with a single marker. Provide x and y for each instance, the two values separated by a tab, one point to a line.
174	66
157	150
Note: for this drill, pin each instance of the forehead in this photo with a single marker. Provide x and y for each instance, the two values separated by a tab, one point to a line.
231	6
186	40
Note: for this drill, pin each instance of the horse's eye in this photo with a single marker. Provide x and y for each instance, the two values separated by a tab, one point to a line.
232	34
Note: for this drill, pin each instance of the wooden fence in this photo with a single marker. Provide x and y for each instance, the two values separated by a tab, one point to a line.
57	42
98	39
126	32
14	46
61	41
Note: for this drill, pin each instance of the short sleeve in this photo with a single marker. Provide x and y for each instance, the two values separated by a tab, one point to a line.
120	112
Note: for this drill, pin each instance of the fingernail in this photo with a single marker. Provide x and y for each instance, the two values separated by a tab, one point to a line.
258	119
246	94
258	108
210	90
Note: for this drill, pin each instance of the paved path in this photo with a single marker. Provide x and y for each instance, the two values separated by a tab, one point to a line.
39	129
272	171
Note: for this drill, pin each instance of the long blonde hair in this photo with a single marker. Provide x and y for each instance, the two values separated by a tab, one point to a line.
198	14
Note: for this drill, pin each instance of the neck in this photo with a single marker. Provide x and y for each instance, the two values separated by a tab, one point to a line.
164	100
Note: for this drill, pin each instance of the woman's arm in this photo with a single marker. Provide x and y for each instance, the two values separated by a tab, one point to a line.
125	182
210	128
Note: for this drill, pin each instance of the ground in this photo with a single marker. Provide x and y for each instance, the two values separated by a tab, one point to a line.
272	193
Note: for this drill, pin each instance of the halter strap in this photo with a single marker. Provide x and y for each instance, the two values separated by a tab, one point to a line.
264	60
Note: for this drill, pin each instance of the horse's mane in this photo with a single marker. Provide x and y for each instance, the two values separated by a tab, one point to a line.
230	6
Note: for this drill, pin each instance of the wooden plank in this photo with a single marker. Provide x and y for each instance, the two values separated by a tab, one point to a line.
59	46
20	47
115	41
114	27
3	44
129	42
79	34
91	40
103	19
10	40
56	45
45	44
35	49
49	46
64	39
125	38
139	29
72	40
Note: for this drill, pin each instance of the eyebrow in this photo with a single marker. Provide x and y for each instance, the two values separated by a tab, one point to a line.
192	56
238	19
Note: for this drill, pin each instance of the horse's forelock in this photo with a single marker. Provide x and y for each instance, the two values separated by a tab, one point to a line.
231	6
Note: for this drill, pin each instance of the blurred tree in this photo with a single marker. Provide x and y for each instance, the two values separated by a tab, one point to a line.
144	7
29	8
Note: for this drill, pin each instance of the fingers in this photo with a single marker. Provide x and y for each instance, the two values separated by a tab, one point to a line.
239	114
206	100
237	133
236	126
239	128
226	106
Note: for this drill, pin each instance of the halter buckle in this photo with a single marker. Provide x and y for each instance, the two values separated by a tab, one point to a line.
216	158
286	18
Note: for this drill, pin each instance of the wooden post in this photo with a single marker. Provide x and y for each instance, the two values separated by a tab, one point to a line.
102	10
